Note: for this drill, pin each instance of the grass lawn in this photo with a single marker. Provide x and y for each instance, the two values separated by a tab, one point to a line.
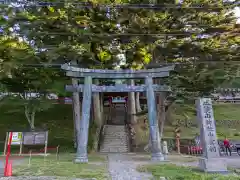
173	172
64	167
227	111
171	157
223	111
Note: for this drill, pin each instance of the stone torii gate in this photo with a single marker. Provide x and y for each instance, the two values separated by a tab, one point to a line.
88	88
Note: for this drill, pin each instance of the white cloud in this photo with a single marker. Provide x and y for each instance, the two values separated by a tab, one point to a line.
237	13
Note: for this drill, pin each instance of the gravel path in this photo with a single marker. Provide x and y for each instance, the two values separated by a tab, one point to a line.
121	168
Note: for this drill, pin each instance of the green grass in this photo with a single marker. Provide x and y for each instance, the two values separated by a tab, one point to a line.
171	157
64	167
222	111
173	172
227	112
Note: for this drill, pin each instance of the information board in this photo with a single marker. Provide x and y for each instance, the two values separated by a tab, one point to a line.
34	138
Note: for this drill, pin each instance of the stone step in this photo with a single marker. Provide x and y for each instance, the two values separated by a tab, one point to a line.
114	150
122	128
119	144
114	126
115	142
115	146
115	132
115	139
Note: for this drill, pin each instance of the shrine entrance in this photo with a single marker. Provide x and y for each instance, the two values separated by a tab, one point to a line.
116	110
89	89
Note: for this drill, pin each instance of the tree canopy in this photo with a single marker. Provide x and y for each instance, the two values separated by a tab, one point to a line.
199	35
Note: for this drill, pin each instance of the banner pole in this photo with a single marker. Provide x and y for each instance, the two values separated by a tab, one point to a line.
5	144
8	152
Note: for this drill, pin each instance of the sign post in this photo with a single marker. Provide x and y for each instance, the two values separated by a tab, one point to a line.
210	161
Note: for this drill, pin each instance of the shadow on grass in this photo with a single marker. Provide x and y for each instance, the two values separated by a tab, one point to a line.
64	167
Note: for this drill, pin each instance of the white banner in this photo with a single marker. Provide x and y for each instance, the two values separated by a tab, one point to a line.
16	138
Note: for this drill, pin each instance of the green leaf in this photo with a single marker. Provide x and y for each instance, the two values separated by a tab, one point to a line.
51	9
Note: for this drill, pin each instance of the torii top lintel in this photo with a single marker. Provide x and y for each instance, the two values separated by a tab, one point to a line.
116	74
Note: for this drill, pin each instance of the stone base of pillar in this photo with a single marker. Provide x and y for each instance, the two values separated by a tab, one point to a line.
213	165
81	159
156	157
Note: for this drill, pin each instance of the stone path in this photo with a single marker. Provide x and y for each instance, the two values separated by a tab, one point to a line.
122	168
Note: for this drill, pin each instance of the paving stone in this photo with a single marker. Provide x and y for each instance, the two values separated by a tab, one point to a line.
121	168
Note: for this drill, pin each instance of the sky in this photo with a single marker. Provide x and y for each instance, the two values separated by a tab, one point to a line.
237	13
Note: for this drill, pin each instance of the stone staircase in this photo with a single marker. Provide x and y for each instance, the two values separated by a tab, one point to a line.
115	139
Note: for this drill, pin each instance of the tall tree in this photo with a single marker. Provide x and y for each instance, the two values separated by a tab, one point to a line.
29	90
190	32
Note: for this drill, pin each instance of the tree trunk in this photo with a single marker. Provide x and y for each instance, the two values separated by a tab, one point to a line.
102	108
30	117
161	113
76	112
97	108
132	105
138	106
33	113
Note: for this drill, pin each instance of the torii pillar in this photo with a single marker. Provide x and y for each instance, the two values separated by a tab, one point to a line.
153	122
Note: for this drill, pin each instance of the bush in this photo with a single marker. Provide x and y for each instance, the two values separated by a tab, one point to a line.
237	134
